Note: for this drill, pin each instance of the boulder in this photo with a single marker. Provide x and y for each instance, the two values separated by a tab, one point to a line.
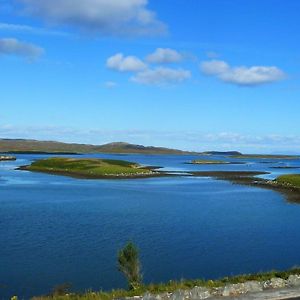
293	280
199	293
253	286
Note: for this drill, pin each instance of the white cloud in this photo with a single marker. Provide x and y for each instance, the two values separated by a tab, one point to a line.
122	63
214	67
9	27
11	46
110	84
107	17
161	76
164	56
243	76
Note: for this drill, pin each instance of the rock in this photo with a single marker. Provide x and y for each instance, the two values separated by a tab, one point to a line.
293	280
253	286
234	289
149	296
180	295
199	293
274	283
218	291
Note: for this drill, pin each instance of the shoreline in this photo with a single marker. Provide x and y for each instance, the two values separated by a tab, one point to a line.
291	193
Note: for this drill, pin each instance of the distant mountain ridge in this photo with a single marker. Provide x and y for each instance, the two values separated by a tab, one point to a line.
35	146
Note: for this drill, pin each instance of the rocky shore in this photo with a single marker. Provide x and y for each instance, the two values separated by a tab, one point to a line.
275	288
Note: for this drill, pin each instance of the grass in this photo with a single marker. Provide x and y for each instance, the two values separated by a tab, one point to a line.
172	286
89	168
291	179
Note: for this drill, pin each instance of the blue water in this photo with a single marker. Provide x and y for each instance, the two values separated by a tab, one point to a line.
56	229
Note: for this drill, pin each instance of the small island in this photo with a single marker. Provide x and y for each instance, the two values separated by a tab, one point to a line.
91	168
213	162
7	158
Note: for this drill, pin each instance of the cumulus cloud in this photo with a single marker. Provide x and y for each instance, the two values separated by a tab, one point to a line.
117	17
11	46
122	63
242	76
161	76
164	56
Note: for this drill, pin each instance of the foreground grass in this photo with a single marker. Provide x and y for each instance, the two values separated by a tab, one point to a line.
88	168
291	179
172	286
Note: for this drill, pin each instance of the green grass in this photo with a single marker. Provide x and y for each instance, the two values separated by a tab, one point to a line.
209	162
172	286
88	168
292	179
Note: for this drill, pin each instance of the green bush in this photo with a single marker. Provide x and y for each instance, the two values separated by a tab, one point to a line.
129	265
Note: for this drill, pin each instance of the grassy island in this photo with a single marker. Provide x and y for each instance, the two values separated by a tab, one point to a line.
90	168
209	162
292	180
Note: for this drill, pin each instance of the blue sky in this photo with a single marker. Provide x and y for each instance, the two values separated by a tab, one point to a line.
198	75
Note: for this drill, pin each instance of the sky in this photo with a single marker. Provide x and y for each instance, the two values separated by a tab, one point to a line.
189	74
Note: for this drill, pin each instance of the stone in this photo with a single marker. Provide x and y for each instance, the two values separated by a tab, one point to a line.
180	295
253	286
274	283
293	280
199	293
234	289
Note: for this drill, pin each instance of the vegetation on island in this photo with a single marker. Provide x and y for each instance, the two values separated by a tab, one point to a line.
90	168
212	162
292	180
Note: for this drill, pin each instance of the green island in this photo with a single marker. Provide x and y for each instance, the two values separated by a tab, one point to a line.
212	162
267	156
62	292
292	180
91	168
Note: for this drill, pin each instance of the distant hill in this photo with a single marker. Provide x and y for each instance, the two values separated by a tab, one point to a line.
222	153
34	146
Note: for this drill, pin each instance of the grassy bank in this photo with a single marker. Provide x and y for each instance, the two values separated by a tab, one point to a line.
292	180
172	286
90	168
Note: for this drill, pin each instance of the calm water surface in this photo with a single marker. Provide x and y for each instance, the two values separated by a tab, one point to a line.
55	229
